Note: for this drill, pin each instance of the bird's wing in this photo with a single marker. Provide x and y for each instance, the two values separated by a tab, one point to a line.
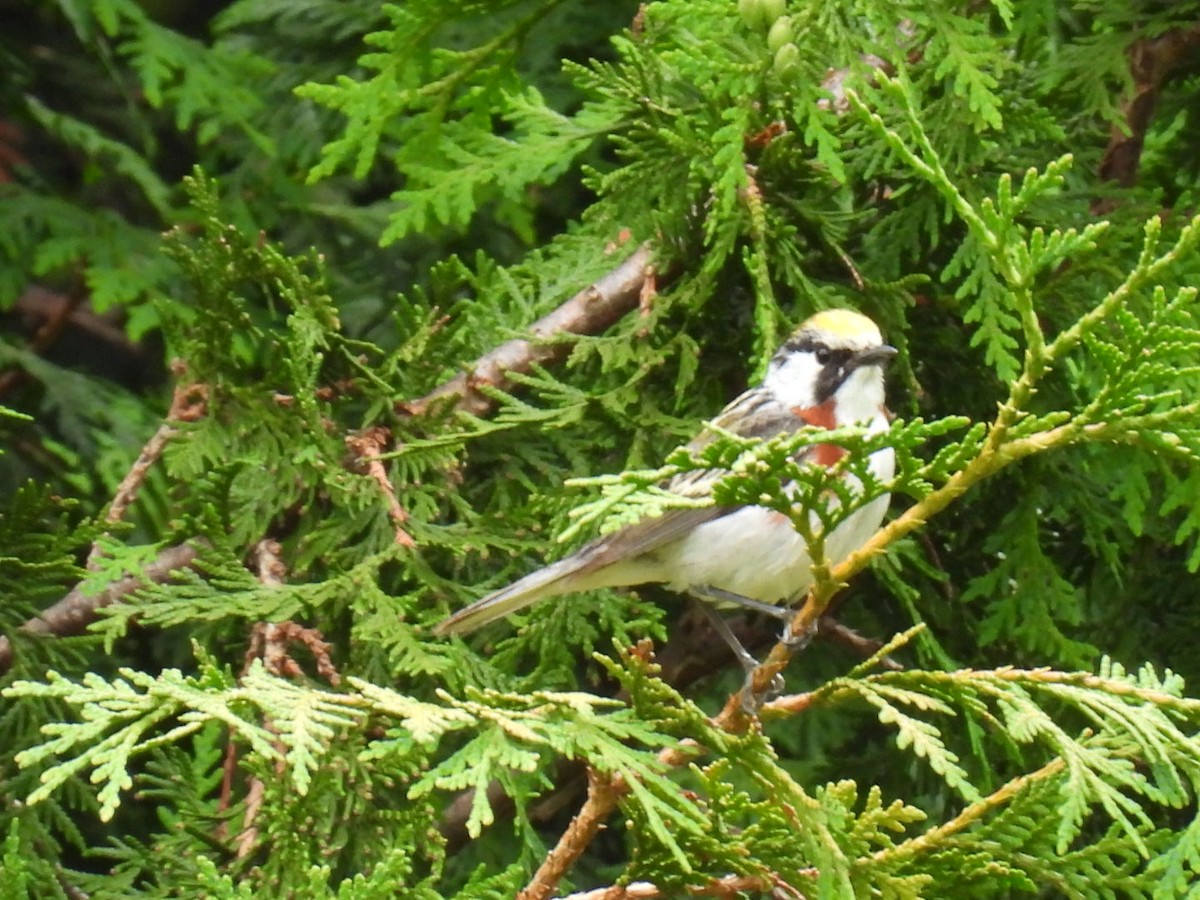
754	414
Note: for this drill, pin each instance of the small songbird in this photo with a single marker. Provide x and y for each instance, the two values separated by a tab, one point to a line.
829	374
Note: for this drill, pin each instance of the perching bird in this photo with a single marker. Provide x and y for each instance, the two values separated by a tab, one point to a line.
828	374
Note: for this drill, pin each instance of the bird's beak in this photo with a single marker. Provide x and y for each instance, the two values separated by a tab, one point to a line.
875	356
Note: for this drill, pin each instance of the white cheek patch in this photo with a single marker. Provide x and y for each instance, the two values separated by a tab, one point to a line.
792	380
861	395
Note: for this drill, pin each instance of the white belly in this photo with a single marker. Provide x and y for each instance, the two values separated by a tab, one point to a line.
757	553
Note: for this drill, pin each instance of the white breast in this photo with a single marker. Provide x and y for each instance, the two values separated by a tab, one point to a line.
755	552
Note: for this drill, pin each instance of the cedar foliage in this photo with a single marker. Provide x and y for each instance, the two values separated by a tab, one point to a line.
377	196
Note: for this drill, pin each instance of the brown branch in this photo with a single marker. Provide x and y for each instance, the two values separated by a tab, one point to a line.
128	488
58	309
831	628
77	610
1151	62
268	563
592	310
788	704
247	838
731	886
188	404
603	794
367	446
935	557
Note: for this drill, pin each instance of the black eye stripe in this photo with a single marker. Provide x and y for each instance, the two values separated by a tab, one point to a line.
823	353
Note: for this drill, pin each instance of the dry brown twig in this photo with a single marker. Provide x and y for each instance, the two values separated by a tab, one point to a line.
604	793
860	645
271	642
189	403
590	311
367	446
73	613
731	886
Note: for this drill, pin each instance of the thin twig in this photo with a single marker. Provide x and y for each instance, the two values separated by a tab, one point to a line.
935	557
788	704
46	334
590	311
247	838
863	646
188	404
603	794
74	612
730	886
367	445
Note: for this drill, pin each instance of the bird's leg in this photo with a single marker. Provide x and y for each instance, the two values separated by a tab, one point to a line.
794	642
751	701
720	595
749	663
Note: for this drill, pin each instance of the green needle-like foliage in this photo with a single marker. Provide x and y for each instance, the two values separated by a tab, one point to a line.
299	220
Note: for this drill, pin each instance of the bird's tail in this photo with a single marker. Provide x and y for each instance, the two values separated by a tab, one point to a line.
526	591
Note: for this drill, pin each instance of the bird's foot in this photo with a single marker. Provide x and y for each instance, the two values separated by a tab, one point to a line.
796	641
753	701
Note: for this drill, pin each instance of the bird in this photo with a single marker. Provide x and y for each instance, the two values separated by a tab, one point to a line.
829	373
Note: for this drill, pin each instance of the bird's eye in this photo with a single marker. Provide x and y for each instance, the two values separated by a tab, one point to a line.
823	355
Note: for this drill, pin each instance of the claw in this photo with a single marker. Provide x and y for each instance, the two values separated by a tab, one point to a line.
752	702
797	642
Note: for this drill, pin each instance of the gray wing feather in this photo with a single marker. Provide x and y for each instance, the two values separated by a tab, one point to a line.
754	414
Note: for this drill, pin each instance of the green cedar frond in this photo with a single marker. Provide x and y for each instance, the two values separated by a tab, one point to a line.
1122	717
905	159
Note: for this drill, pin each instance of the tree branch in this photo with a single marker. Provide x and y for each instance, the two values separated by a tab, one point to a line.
731	886
367	446
188	403
74	612
603	794
933	838
592	310
1151	62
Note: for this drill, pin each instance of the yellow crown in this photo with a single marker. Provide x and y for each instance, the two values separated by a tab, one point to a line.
844	323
